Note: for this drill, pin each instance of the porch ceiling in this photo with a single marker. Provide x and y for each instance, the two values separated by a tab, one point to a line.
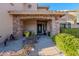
36	19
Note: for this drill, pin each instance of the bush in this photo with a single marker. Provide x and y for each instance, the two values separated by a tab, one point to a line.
72	31
53	38
68	44
26	34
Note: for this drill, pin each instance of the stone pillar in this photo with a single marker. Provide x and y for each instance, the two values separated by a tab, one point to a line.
17	27
55	26
14	25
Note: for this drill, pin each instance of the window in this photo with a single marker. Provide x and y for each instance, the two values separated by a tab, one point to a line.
77	23
62	25
11	4
69	25
29	6
65	25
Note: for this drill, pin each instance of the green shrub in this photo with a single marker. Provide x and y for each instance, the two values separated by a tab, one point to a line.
72	31
53	38
27	34
67	43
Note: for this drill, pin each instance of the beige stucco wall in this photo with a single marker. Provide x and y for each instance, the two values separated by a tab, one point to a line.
66	19
30	25
74	25
33	6
77	20
5	21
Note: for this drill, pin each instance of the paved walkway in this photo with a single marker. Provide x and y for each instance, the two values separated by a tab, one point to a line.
12	45
45	47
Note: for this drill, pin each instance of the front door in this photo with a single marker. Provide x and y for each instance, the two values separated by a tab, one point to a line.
41	28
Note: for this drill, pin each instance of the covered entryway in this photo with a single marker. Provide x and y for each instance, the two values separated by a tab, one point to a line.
39	27
37	21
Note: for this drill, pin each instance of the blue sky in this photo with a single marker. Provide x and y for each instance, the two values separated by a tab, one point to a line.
61	6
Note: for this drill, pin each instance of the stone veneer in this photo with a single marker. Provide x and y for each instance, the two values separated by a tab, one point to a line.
55	26
17	27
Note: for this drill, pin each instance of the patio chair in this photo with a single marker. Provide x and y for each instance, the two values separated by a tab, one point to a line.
12	37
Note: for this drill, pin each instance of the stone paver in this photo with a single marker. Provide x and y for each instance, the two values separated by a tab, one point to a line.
45	47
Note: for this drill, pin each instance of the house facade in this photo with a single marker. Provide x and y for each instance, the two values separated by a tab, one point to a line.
15	18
